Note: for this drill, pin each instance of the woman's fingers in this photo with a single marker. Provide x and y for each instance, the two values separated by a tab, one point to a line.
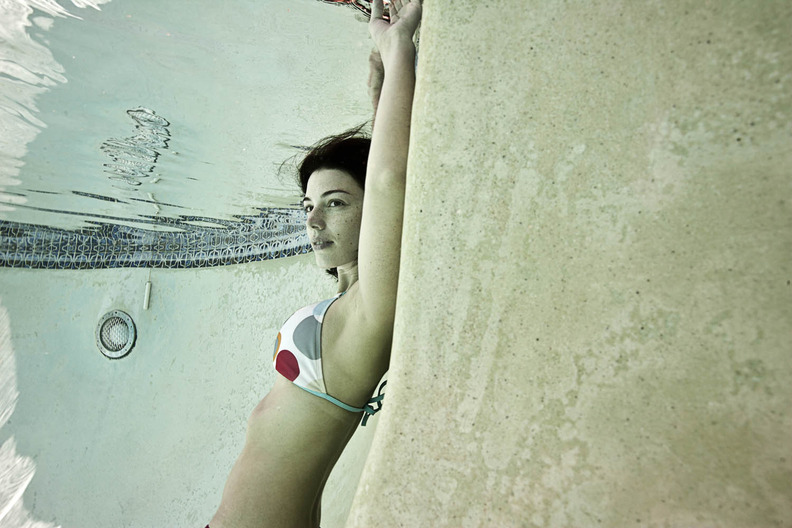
411	13
377	9
396	6
405	15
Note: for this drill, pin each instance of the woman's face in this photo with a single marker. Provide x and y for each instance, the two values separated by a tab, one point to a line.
334	203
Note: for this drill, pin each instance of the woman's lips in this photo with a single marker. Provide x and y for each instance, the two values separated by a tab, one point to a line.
320	244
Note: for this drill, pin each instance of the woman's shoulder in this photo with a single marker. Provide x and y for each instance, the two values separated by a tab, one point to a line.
348	308
352	327
355	352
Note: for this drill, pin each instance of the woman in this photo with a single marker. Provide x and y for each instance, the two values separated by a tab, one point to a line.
298	431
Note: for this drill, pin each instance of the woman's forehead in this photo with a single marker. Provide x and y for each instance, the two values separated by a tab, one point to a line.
324	180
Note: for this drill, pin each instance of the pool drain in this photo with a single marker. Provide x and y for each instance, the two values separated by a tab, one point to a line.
115	334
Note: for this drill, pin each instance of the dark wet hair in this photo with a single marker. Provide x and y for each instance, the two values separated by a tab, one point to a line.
347	151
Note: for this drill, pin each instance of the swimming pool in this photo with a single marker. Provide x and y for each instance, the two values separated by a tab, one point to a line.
141	154
146	117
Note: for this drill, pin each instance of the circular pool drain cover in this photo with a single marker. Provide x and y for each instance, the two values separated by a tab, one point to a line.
115	334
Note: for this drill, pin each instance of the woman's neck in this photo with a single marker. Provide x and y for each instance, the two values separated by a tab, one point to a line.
347	276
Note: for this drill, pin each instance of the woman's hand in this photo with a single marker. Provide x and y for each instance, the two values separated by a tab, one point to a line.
396	34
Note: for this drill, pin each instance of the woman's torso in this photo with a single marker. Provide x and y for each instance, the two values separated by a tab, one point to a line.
294	438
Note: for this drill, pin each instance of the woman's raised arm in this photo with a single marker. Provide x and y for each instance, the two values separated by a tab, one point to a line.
383	202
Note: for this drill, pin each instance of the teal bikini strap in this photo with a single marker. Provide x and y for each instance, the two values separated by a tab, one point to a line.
368	410
332	400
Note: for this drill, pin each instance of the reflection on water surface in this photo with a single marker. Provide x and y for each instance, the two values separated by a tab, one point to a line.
134	134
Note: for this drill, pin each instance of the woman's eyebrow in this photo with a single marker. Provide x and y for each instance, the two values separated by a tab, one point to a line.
328	192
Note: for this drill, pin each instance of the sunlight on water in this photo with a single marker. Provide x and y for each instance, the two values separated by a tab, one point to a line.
230	101
134	158
27	69
18	127
134	134
16	471
138	119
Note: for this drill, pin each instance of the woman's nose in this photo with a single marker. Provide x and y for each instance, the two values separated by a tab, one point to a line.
315	219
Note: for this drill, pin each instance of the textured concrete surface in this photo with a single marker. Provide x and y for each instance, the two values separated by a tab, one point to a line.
595	309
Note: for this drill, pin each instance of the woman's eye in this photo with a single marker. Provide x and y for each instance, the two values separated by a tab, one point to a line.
335	203
307	208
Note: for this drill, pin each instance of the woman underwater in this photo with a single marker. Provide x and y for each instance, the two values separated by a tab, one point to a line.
337	350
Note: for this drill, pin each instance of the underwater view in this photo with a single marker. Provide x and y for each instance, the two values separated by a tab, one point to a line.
137	135
140	135
579	253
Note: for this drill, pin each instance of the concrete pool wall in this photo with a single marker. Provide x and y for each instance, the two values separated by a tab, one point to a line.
595	310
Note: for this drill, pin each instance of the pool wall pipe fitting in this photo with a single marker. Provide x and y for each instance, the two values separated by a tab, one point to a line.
147	295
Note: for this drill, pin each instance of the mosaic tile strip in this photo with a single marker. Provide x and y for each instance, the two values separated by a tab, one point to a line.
275	233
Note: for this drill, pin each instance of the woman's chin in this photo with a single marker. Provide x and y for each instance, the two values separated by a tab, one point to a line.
324	263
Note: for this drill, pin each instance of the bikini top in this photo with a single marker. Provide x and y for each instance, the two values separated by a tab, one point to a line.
298	356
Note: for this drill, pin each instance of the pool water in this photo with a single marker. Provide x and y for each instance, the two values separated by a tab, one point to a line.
141	170
141	121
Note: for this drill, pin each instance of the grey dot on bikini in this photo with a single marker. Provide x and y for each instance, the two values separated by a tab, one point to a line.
306	336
